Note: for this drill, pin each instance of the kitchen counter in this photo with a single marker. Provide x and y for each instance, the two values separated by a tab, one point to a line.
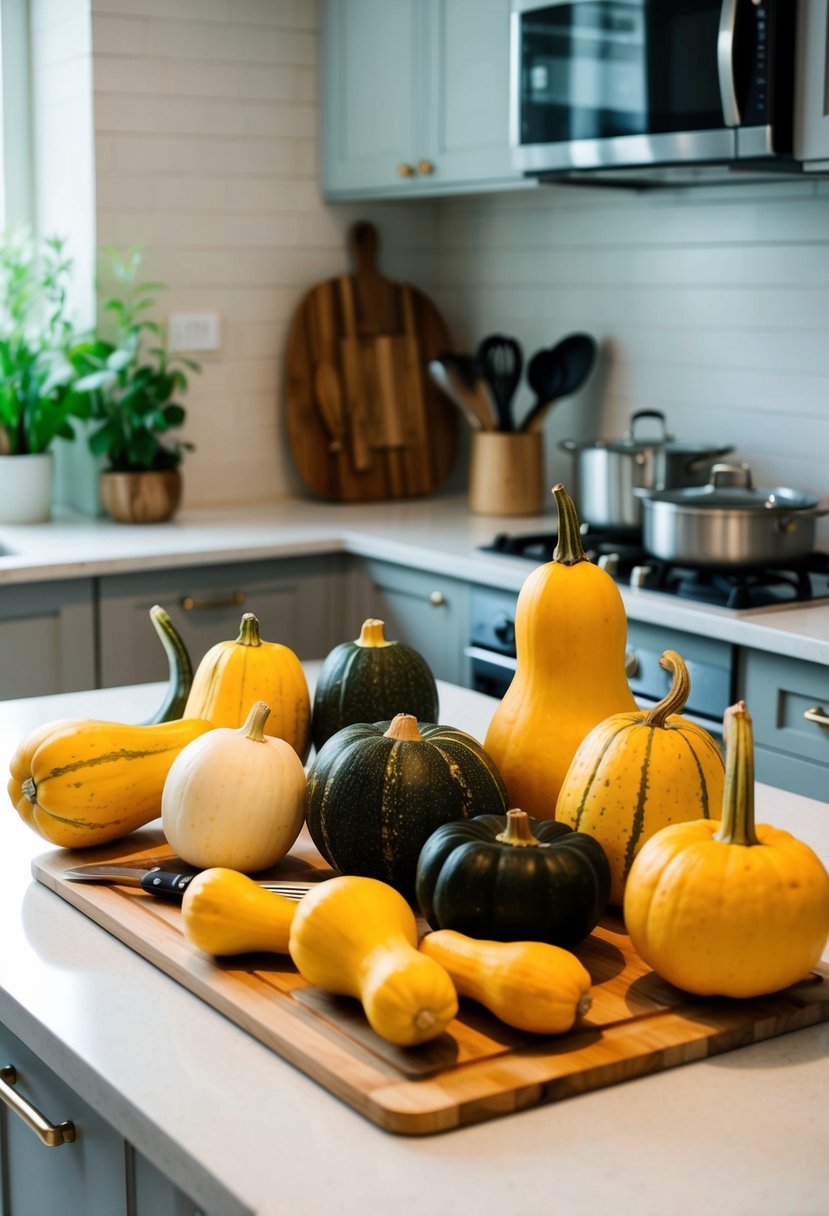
243	1132
437	534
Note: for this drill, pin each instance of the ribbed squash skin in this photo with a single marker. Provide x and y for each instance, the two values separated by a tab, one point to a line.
232	676
373	799
358	937
570	632
225	912
95	781
638	772
370	680
529	985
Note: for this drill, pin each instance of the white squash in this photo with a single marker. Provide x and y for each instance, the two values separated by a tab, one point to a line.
236	800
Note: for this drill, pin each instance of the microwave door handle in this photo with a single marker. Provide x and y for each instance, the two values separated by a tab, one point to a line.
725	63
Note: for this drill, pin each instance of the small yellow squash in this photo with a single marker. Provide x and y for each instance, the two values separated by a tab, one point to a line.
80	782
637	772
358	937
232	675
727	908
530	985
225	912
234	798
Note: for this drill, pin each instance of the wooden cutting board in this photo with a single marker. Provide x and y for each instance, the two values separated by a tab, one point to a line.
364	420
480	1068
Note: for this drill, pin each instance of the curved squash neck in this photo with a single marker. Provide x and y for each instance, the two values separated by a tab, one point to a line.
737	825
249	631
569	549
674	700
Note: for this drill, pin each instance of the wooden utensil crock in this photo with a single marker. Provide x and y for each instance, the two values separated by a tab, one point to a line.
505	473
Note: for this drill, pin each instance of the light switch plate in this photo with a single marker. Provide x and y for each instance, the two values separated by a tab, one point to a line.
194	331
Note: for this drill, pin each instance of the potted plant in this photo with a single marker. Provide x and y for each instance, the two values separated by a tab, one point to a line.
37	376
132	392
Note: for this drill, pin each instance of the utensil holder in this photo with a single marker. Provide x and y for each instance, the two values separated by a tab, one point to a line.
505	473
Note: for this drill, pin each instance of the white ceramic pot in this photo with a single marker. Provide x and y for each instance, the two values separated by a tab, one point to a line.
26	488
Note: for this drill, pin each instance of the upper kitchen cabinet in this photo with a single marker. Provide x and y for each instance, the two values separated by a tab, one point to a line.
415	98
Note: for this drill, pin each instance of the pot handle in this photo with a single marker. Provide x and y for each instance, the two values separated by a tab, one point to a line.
787	521
569	445
694	463
638	415
731	475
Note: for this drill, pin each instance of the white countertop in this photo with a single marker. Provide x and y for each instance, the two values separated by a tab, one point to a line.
242	1132
437	534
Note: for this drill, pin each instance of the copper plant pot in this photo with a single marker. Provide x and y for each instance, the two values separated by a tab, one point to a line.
141	498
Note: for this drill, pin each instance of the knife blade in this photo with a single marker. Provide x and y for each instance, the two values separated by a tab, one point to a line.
167	883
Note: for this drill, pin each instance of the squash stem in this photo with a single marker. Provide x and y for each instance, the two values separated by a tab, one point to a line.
674	700
517	831
30	790
404	728
737	825
249	631
372	634
569	549
254	727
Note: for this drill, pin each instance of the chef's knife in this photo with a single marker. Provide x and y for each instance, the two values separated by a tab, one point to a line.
169	883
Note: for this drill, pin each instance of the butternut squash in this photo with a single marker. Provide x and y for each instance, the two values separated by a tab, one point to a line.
358	937
530	985
225	912
570	631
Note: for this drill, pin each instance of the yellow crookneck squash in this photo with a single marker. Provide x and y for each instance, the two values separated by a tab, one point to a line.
234	675
637	772
79	782
727	908
570	632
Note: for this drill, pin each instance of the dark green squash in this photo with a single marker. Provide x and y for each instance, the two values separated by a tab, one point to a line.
376	792
512	878
180	668
369	680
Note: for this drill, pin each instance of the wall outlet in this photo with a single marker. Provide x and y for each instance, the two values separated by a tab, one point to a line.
191	331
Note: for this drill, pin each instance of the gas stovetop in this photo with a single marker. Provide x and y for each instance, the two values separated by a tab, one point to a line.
623	556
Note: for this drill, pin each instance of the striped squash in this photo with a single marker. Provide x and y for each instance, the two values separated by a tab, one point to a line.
78	782
637	772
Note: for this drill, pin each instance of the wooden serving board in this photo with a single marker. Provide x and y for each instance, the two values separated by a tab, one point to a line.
364	420
480	1068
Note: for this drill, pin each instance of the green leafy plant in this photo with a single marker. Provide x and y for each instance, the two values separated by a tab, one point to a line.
37	376
133	391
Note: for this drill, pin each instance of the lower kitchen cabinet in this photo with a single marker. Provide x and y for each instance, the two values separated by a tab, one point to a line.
296	602
427	611
788	700
47	638
95	1174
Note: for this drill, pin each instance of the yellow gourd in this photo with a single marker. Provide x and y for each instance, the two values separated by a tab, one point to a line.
727	908
232	675
358	937
79	782
570	630
225	912
637	772
530	985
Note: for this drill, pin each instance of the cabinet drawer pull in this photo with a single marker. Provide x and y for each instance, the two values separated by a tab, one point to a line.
211	604
425	167
50	1134
405	170
437	599
817	714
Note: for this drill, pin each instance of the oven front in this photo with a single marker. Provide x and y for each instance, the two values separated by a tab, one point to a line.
710	662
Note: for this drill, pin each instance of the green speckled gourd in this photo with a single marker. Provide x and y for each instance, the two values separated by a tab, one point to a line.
376	792
371	679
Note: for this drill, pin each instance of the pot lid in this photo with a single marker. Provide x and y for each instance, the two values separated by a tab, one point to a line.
633	441
730	487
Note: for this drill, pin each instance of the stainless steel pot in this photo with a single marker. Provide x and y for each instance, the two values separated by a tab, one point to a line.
608	473
729	522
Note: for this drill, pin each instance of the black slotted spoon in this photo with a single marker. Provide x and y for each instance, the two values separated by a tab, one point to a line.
501	361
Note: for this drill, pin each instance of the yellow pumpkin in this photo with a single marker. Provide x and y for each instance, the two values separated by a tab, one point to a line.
637	772
358	937
729	908
232	675
570	632
79	782
225	912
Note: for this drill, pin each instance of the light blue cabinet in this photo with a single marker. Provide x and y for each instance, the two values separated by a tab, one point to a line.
47	638
789	704
415	98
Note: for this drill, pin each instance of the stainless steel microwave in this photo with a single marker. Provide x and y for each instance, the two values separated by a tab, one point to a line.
652	90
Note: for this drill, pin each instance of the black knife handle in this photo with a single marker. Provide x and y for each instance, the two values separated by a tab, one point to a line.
164	882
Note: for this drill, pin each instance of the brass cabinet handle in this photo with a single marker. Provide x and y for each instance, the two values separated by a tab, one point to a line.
437	599
405	170
189	604
50	1134
425	167
817	714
